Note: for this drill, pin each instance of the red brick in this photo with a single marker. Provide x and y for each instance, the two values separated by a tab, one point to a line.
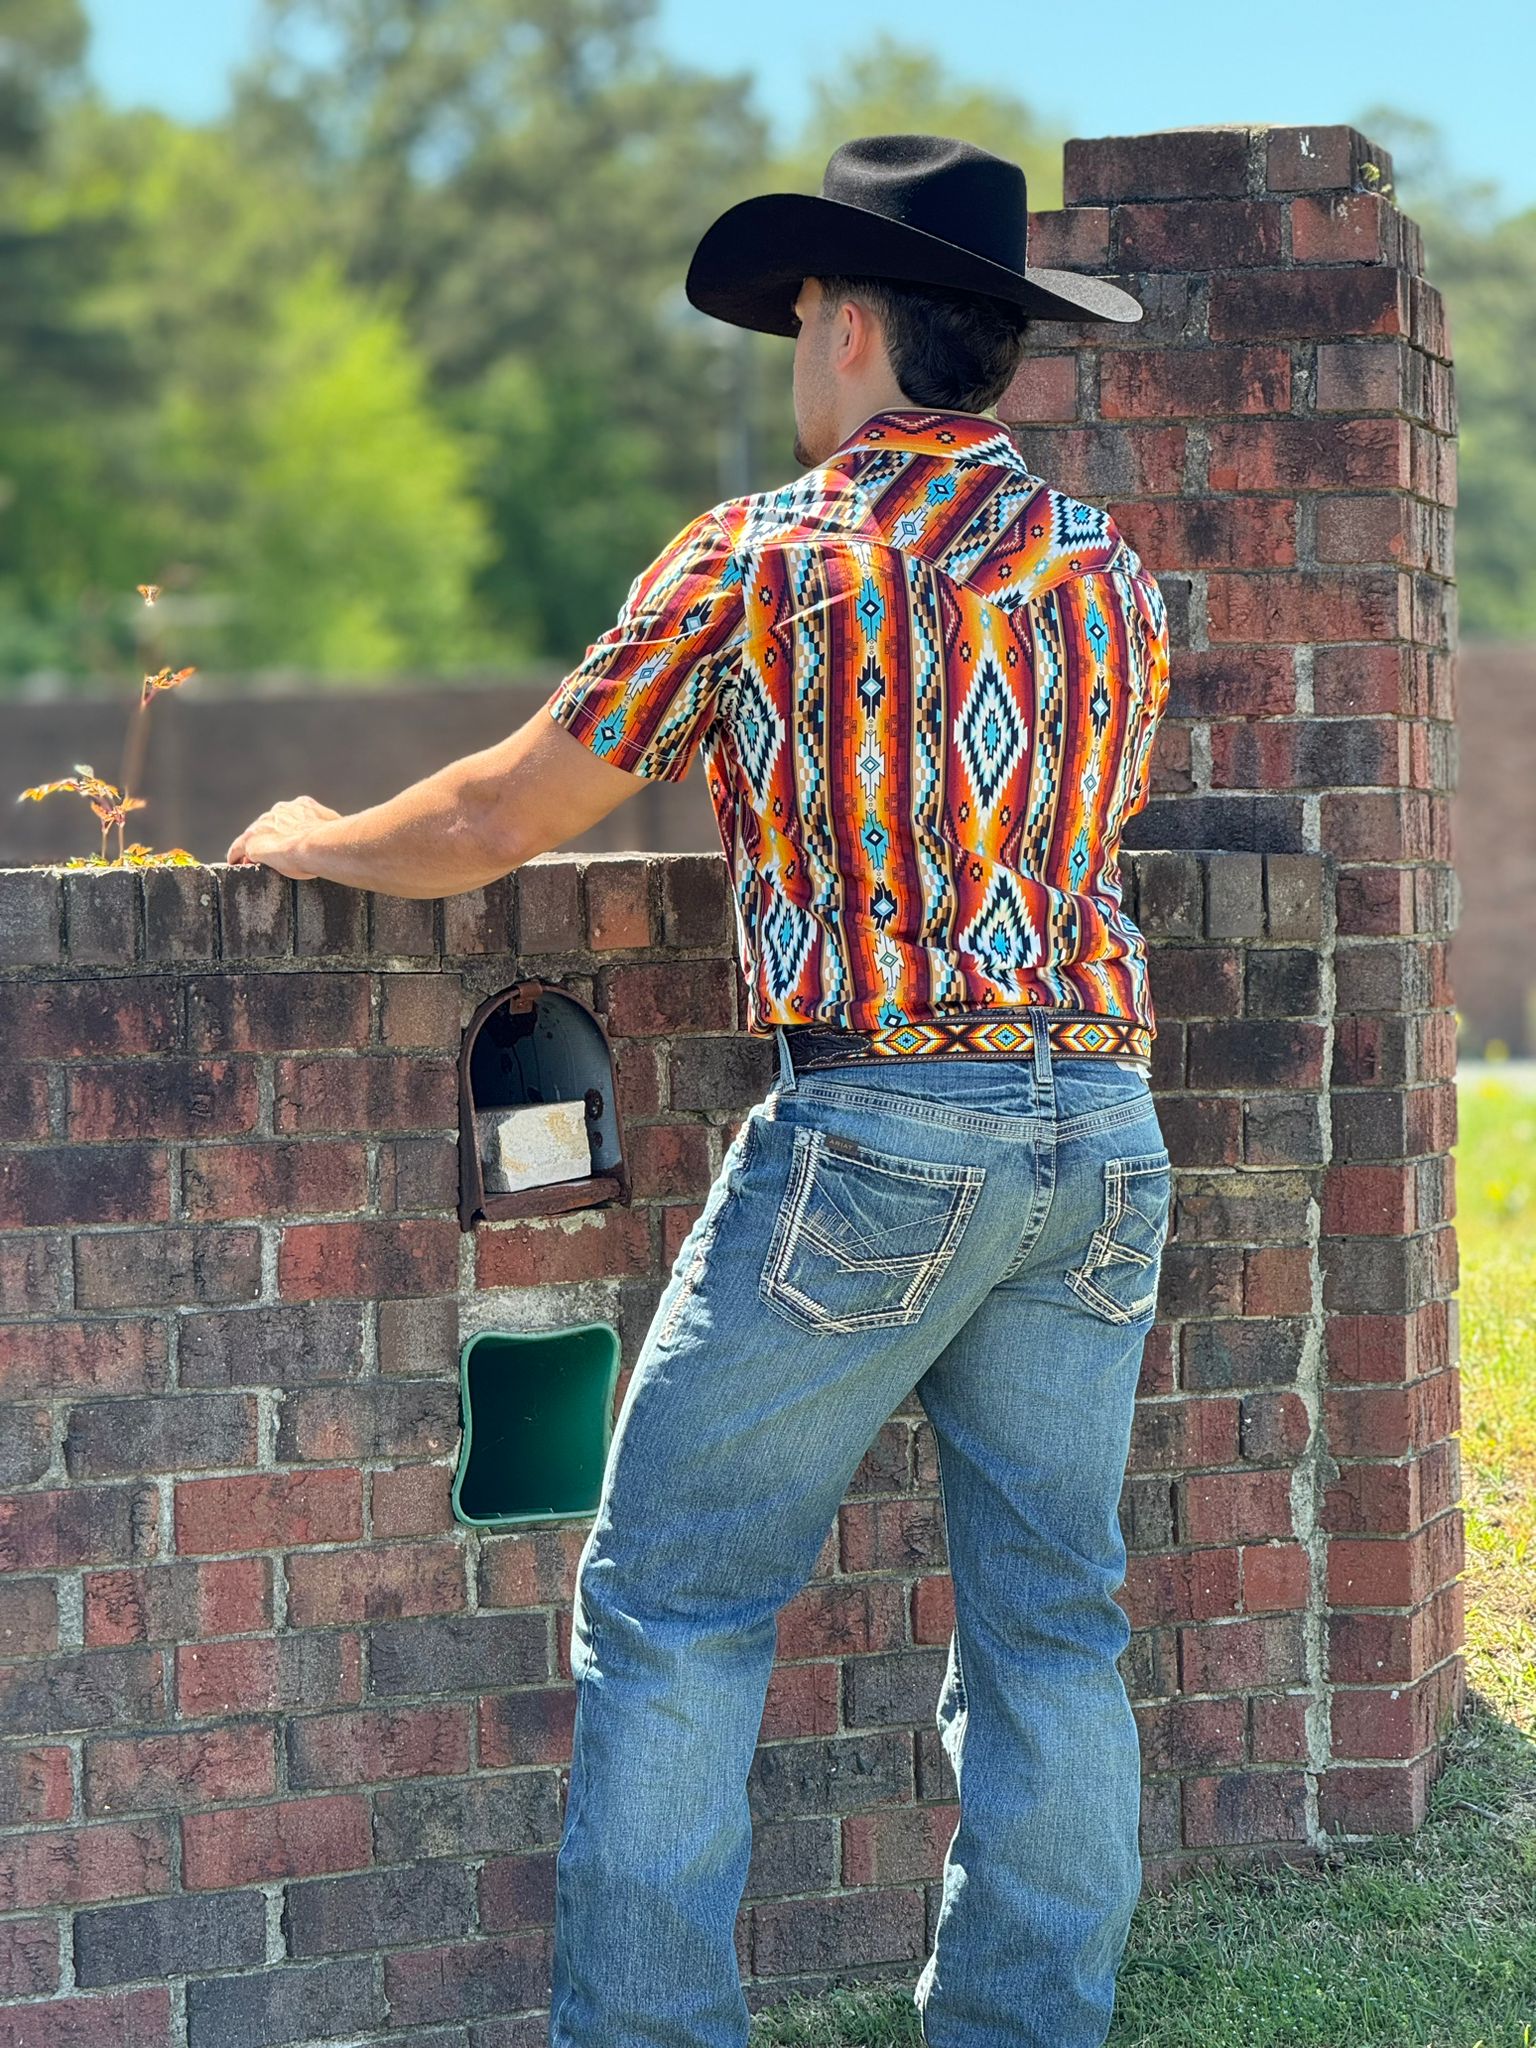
619	916
78	1184
142	1774
1249	1806
1274	1425
262	1844
803	1700
1276	1577
1344	227
588	1244
53	1531
1226	1507
277	1011
268	1511
1216	533
1200	235
1173	164
35	1786
1317	605
530	1567
1315	159
255	1674
1394	1571
1070	238
1277	1281
368	1092
652	997
1175	1435
99	1014
1360	1201
172	1097
1185	1586
106	1355
1110	461
1389	1799
221	1183
32	1272
839	1931
1238	1656
1388	1348
126	2019
375	1584
81	1866
1400	1722
170	1268
666	1160
412	1500
382	1256
847	1617
526	1726
29	1618
25	1117
420	1010
29	1959
1310	303
1186	1733
1258	682
518	1891
164	1603
1312	455
1279	1733
1045	388
1372	529
1386	1649
373	1748
677	1219
896	1847
891	1535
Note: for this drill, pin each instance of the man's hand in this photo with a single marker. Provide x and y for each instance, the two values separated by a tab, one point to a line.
269	839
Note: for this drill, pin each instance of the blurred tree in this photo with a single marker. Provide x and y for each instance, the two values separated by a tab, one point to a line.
895	88
348	536
1485	265
61	370
531	176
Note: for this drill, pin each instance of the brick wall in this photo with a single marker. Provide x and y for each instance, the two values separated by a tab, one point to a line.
284	1746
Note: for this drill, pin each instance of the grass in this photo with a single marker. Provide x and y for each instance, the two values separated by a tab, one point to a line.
1421	1942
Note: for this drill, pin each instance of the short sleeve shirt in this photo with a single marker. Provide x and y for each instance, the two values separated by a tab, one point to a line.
925	687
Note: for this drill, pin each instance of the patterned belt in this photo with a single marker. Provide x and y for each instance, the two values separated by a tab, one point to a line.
970	1034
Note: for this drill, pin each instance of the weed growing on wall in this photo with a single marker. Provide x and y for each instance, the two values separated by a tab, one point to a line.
110	803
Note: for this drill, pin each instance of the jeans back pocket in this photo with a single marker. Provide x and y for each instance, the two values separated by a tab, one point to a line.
1118	1276
862	1237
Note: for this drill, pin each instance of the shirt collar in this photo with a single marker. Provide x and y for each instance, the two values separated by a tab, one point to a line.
919	431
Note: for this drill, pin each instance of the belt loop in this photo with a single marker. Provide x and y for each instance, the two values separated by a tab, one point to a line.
1045	1079
786	1064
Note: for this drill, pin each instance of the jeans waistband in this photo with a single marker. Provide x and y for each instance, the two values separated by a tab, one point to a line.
969	1034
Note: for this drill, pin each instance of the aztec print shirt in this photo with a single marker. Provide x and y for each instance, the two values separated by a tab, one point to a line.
925	687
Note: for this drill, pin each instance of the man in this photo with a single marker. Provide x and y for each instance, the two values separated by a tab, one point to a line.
925	686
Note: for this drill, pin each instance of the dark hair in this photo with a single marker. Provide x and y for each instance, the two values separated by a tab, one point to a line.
946	348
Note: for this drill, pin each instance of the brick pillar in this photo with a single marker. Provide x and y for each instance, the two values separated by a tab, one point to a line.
1277	438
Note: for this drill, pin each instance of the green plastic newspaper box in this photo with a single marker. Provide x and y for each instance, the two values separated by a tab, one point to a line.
537	1408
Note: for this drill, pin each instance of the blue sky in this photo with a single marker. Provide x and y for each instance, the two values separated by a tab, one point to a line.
1109	69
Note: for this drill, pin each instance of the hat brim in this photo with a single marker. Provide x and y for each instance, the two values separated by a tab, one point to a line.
750	263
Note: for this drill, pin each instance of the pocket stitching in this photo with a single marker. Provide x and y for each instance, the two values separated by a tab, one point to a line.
1105	1250
792	1228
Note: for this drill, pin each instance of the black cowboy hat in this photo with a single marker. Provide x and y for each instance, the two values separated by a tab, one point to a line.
922	209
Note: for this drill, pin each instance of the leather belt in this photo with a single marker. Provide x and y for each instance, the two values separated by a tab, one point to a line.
986	1034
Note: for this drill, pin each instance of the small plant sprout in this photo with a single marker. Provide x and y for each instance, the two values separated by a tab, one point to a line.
110	803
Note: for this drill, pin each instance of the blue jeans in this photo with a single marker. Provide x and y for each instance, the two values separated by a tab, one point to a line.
988	1232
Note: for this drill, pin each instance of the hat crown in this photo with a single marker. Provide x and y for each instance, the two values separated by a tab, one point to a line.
944	187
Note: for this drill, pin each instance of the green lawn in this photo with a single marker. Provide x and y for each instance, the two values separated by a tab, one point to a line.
1428	1942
